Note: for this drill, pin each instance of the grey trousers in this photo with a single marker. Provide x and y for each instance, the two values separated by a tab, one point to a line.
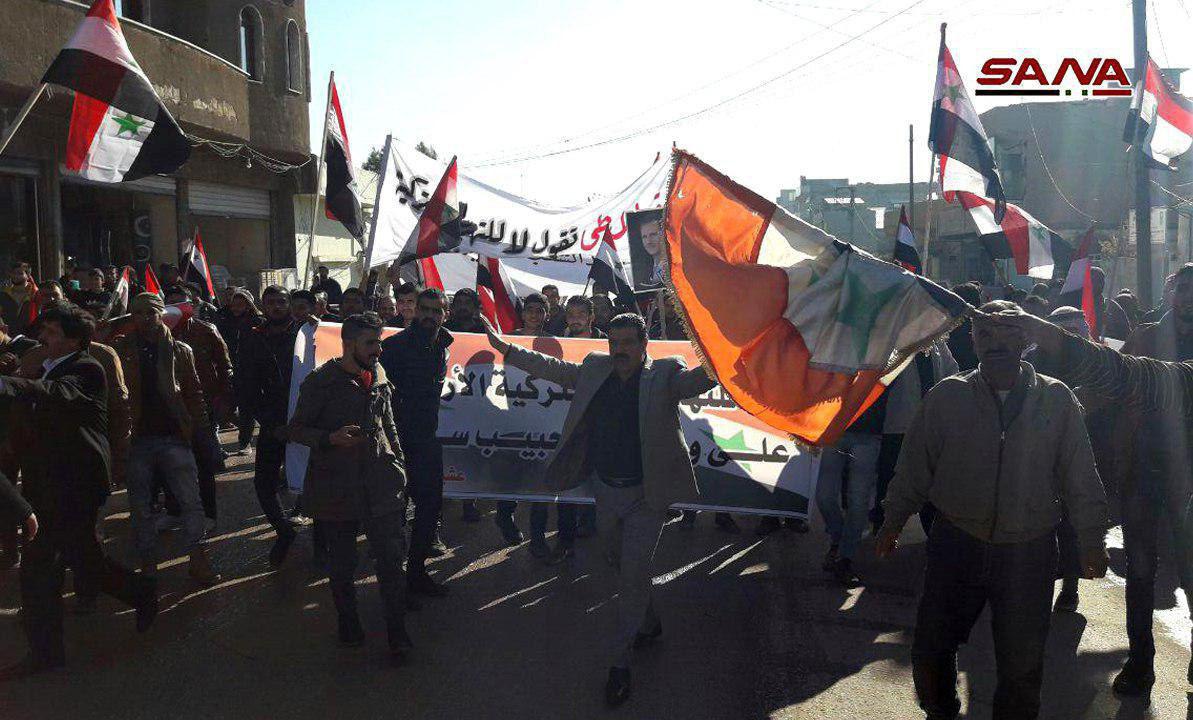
174	461
630	531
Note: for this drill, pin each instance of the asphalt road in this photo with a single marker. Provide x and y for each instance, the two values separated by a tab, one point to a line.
753	629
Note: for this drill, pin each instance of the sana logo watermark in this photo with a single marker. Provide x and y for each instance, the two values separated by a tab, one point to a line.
1099	77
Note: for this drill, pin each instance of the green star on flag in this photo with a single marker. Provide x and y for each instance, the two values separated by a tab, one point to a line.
735	443
129	124
954	93
861	309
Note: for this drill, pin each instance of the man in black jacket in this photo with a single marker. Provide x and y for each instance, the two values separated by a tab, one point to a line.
415	361
266	364
66	480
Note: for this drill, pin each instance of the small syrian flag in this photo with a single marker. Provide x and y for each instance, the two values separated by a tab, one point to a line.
198	269
119	301
119	129
957	136
177	314
1032	244
439	224
607	272
906	253
1080	280
498	302
342	201
1160	118
151	283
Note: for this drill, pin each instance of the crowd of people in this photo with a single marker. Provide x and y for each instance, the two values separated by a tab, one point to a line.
1015	439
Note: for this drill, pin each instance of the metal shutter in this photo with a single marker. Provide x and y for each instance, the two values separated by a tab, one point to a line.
229	201
152	185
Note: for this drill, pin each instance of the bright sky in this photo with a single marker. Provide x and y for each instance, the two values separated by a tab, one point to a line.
504	80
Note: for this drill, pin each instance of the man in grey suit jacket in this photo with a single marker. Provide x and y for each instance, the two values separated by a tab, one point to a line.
623	425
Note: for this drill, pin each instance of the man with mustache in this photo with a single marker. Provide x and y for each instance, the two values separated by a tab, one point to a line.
415	361
998	451
623	426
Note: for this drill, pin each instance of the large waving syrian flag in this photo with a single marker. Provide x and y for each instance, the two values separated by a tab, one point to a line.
119	129
957	136
1035	247
1160	118
802	330
439	225
343	200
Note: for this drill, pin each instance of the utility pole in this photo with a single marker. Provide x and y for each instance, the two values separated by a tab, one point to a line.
852	237
911	175
1143	193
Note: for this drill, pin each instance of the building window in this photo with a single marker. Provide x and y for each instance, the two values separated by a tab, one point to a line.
251	52
295	74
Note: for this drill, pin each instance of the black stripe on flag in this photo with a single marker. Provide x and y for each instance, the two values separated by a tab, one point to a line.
606	278
958	140
165	148
342	202
98	77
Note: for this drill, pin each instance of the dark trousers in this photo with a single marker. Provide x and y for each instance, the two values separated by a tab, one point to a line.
271	456
1142	515
1069	550
963	574
386	544
67	540
565	519
207	460
424	485
888	458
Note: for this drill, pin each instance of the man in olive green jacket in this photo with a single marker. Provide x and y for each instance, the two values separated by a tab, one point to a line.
356	475
997	451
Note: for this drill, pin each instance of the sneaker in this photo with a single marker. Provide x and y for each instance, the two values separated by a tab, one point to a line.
767	525
726	523
830	558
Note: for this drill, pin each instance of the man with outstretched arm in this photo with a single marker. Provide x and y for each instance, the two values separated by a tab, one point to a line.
998	451
622	426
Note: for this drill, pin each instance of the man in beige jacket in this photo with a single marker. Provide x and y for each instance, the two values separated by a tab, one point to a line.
998	451
623	426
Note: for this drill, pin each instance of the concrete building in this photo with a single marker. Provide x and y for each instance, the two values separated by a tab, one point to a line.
230	71
334	246
852	212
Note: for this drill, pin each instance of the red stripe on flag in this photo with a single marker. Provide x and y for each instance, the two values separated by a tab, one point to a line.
335	106
430	223
1087	304
85	119
151	283
104	10
1168	107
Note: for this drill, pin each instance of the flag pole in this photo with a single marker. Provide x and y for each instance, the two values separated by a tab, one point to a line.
20	119
927	260
307	274
381	175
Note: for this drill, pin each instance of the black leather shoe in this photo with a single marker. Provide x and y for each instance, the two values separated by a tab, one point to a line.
351	633
767	525
1134	681
539	547
645	639
281	546
469	513
617	689
147	613
423	584
29	666
509	530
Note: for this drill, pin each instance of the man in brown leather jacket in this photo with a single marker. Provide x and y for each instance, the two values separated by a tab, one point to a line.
167	413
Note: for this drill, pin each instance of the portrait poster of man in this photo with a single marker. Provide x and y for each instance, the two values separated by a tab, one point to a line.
646	246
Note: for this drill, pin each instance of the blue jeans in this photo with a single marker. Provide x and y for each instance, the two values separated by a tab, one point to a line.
173	462
859	455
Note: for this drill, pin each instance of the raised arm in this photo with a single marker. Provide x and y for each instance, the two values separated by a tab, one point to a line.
692	382
560	372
